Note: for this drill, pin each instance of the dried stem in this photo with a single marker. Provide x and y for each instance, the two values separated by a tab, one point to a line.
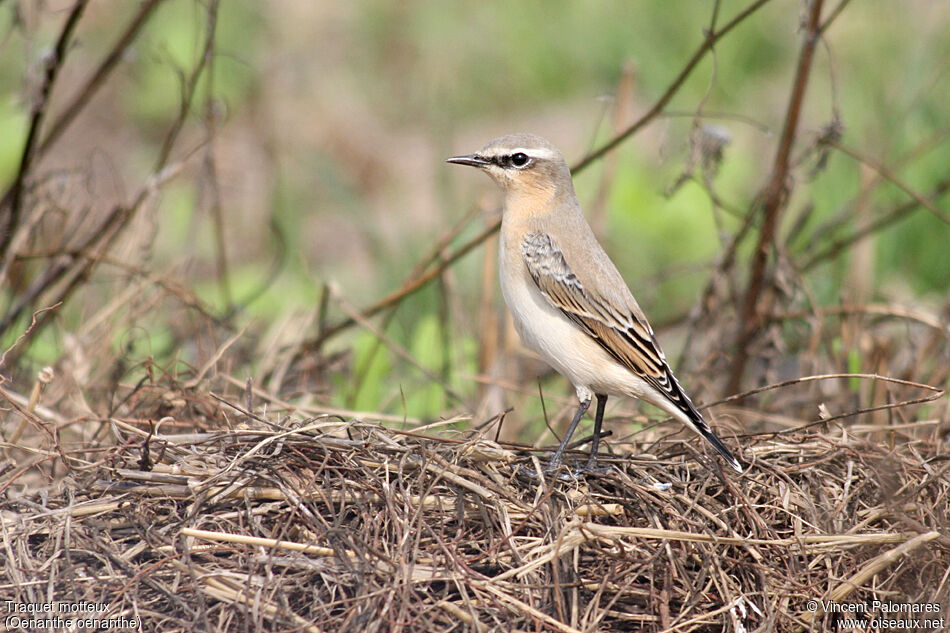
98	78
771	200
704	48
15	202
75	270
887	218
415	284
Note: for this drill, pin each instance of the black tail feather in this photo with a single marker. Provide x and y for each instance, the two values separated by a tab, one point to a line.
719	446
678	396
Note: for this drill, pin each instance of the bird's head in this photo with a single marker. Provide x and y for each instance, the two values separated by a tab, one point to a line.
521	163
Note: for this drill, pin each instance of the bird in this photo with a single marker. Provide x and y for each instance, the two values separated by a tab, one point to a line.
569	302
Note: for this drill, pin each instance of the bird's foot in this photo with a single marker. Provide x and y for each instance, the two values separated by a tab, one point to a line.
529	473
592	469
561	474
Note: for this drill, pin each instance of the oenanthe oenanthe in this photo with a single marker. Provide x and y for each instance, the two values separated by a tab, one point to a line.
570	304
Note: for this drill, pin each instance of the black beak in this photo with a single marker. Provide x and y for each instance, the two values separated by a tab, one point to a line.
472	160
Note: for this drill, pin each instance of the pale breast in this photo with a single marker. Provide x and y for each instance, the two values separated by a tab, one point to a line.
548	332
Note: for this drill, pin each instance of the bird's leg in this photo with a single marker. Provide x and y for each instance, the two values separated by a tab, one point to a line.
591	466
556	460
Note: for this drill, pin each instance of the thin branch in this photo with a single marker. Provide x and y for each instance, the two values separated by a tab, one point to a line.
24	335
833	16
884	310
59	268
211	174
190	87
411	287
92	85
704	48
437	250
772	199
415	284
185	296
119	217
39	112
829	227
888	175
895	214
393	346
935	394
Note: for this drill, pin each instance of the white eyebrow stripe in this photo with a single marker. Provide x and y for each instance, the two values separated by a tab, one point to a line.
536	152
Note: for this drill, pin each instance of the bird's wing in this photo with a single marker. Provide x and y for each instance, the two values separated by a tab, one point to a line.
620	330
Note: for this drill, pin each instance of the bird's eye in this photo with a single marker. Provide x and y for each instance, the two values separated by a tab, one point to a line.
519	160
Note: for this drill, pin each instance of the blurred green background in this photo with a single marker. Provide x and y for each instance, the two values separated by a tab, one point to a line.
331	121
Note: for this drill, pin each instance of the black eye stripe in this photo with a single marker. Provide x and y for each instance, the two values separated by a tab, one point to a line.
518	160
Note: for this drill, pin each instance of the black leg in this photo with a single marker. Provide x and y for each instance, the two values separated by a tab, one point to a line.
556	460
598	421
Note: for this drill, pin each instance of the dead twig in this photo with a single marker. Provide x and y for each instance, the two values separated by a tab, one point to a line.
771	200
41	105
416	283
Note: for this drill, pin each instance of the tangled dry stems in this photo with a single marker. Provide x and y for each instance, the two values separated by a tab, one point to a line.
340	525
334	524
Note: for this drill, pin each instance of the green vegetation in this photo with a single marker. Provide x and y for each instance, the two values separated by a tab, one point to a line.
330	121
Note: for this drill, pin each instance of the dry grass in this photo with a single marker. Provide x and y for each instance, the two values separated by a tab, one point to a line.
183	499
336	524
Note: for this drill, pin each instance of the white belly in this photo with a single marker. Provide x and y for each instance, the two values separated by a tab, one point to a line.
558	340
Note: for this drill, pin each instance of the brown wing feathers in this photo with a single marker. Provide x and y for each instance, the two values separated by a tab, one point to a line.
623	336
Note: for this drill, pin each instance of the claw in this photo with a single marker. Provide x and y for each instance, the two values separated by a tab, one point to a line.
566	476
592	470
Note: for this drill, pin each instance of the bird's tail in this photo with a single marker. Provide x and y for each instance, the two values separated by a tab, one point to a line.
706	432
678	403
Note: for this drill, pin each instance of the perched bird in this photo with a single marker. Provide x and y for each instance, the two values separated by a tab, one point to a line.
569	303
